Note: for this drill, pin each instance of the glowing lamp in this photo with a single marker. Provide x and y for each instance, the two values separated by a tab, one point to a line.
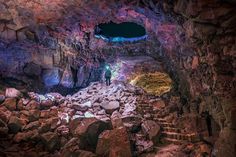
107	67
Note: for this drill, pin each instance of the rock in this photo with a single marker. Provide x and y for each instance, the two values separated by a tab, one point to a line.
63	130
26	136
54	122
10	104
45	114
33	115
3	128
88	130
233	119
5	115
151	129
67	79
46	104
142	144
71	148
111	106
114	143
88	115
32	105
195	62
78	153
32	126
129	109
2	98
45	127
51	77
83	153
64	117
20	104
132	123
51	141
82	107
12	93
116	120
32	69
15	124
157	105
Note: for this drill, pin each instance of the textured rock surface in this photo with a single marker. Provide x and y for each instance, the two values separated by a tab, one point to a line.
114	143
194	39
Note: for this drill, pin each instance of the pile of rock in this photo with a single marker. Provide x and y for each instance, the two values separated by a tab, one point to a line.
98	120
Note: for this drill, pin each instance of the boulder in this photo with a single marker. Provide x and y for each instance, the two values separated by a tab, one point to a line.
114	143
20	104
132	123
33	105
71	148
10	104
33	115
2	98
46	104
78	153
12	93
88	114
51	141
151	129
45	127
51	77
5	115
32	69
25	136
63	130
116	120
82	107
67	79
233	119
129	109
3	128
142	144
32	125
88	130
15	124
111	106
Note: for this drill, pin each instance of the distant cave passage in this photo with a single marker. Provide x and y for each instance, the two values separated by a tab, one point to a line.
123	32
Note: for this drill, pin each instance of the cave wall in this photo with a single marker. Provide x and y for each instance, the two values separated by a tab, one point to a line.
194	38
58	36
203	62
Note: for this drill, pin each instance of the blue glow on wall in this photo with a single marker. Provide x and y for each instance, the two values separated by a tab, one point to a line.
123	32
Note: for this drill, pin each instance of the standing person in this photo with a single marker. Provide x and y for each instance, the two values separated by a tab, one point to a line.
108	75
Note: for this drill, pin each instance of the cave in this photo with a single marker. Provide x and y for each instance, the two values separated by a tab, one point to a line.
171	64
123	32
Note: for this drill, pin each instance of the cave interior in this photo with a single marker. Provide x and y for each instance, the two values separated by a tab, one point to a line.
171	64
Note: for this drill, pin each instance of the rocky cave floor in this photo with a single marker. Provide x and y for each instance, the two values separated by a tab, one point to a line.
117	120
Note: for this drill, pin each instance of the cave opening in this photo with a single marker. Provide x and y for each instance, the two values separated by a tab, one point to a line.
122	32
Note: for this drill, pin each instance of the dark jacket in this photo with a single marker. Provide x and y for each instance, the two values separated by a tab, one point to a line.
108	73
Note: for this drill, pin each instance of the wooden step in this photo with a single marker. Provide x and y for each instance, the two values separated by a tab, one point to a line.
160	119
166	124
166	140
180	136
171	129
